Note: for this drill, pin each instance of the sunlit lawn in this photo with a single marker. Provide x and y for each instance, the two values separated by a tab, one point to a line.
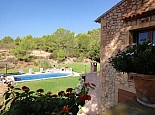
79	67
57	84
15	71
53	85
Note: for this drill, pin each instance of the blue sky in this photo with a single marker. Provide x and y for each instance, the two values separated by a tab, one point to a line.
43	17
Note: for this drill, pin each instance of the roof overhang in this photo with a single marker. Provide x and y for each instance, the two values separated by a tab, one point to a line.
139	15
98	20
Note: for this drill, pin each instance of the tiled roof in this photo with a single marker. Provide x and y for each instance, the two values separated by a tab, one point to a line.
148	11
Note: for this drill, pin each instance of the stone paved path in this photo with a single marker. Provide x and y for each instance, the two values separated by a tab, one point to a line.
3	88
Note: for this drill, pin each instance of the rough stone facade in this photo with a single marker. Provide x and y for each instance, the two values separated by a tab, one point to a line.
92	107
117	25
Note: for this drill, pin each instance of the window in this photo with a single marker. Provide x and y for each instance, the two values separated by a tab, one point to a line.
144	36
140	36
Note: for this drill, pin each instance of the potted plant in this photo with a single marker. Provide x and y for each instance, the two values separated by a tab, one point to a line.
26	102
139	61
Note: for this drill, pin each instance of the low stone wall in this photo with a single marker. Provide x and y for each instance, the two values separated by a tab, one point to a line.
92	107
3	89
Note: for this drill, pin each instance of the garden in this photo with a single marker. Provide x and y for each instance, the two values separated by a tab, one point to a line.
54	86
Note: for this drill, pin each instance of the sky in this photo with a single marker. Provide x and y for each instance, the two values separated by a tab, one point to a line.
44	17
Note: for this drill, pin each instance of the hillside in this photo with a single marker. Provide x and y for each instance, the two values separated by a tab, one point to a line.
6	56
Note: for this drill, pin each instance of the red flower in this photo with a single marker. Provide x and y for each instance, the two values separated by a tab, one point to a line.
67	95
14	99
84	97
40	90
65	109
93	85
49	92
87	84
54	95
69	90
25	88
1	106
88	97
61	93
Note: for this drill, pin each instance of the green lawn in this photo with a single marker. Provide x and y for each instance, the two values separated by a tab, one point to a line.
15	71
79	67
54	85
57	84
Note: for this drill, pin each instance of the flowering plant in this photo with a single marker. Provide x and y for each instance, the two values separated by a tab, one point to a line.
137	59
25	102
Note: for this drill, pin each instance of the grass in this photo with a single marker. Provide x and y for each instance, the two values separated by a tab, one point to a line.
54	85
57	84
15	71
79	67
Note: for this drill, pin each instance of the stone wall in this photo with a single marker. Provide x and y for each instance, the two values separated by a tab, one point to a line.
115	36
92	107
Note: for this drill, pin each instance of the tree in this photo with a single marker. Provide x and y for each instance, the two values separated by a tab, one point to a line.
23	50
94	52
83	43
8	43
61	55
44	64
48	43
95	33
7	40
64	39
38	43
17	40
21	54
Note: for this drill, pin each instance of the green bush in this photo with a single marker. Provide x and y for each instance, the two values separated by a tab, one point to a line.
139	59
35	63
61	55
26	102
53	55
44	64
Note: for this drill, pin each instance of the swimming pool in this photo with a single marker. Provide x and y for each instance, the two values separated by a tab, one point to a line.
31	77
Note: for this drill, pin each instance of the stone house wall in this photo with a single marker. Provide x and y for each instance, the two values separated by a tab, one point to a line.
116	34
92	107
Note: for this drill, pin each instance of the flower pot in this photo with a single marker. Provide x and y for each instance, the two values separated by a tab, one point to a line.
145	89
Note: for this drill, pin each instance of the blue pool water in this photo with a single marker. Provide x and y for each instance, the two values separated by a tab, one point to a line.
39	76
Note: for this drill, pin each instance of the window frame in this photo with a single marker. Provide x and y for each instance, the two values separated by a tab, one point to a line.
134	34
150	34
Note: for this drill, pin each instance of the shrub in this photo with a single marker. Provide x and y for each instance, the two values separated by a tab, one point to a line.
61	55
139	59
44	64
29	102
35	63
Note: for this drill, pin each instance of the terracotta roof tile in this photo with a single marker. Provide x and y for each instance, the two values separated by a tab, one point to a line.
147	8
142	9
139	13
